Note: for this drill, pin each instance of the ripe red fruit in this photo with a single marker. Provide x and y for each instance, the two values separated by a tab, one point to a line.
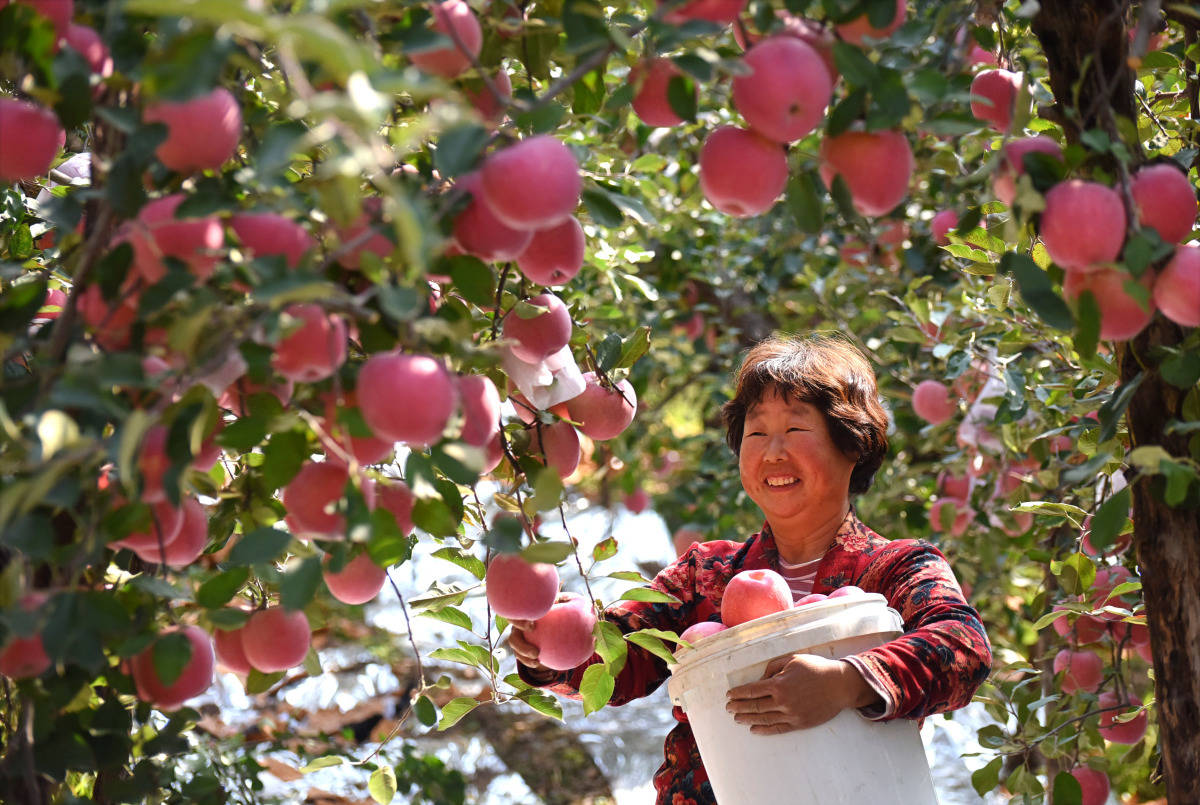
59	12
481	409
359	581
52	308
276	639
520	590
848	590
752	594
701	630
955	486
1165	201
450	60
25	657
933	402
564	634
1127	732
554	255
1093	784
479	232
650	80
165	522
722	12
1177	289
960	516
785	95
406	398
156	234
229	652
1081	670
32	138
560	444
1083	224
364	449
1086	628
187	545
742	173
941	224
314	350
602	412
534	184
265	234
196	677
1012	164
109	323
153	464
536	338
485	103
996	92
365	235
684	538
395	497
236	397
811	598
815	35
637	501
1121	315
858	29
88	44
308	496
202	132
876	166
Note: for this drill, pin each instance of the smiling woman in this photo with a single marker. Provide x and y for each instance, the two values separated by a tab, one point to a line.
809	432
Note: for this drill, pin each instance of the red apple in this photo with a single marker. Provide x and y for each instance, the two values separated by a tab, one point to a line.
309	498
358	582
812	598
32	138
236	397
166	521
722	12
395	497
1081	670
637	501
53	306
995	96
701	630
785	95
1165	201
650	80
955	486
933	402
1121	315
276	639
556	445
406	398
520	590
752	594
365	235
603	412
202	132
960	517
1094	785
25	657
478	231
227	645
1127	732
481	409
941	224
153	464
858	29
742	173
88	44
541	335
365	449
268	234
314	350
196	677
554	255
157	234
450	60
564	634
1012	163
1083	224
533	184
876	166
485	103
109	322
1177	289
815	35
848	590
188	545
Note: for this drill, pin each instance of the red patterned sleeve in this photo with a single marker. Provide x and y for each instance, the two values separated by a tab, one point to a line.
643	671
943	655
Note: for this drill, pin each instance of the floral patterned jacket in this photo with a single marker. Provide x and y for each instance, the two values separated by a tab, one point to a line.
935	666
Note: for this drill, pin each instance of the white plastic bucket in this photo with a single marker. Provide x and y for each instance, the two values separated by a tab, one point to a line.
848	760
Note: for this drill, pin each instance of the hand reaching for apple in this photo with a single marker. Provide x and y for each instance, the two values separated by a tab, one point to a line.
558	641
797	692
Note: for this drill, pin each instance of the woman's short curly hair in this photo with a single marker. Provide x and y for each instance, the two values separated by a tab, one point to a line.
827	371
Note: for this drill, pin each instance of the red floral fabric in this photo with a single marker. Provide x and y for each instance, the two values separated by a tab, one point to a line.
935	666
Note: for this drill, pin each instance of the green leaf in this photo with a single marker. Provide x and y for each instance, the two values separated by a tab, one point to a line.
853	65
648	594
1037	290
634	347
629	575
283	457
474	280
299	585
611	645
451	615
547	489
323	762
584	24
987	778
601	208
467	561
804	201
433	516
1087	333
681	95
605	549
542	702
1075	573
652	643
1049	618
596	687
550	553
460	149
1110	520
1114	407
258	682
426	711
454	711
439	596
260	545
382	785
1182	370
848	110
227	619
221	588
1067	790
172	653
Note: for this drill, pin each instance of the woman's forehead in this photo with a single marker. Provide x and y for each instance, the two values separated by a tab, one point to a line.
774	401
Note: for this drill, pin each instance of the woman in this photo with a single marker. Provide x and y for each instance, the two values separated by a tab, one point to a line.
809	432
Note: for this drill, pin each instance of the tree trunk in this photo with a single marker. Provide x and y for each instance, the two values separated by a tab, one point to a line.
1086	49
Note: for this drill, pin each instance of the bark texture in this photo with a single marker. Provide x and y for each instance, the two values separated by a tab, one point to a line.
1086	49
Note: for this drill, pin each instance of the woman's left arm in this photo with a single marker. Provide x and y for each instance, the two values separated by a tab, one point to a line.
943	655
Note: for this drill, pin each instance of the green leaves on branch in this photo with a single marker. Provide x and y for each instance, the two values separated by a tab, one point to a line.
1037	290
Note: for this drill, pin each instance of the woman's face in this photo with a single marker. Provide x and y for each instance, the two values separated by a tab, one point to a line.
789	464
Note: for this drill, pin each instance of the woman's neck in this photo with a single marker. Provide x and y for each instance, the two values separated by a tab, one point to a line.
807	540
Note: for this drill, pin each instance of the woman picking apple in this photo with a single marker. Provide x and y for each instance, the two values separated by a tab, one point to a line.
809	432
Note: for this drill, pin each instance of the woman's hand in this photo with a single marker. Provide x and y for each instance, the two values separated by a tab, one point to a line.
522	647
798	692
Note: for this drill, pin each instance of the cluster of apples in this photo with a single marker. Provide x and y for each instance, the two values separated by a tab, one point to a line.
782	98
